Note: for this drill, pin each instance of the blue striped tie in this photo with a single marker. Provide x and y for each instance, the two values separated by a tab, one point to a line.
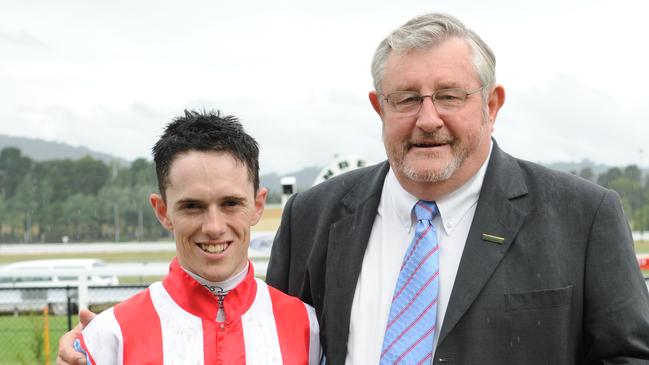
413	314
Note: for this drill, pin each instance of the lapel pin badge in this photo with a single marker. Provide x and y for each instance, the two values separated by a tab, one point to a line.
492	238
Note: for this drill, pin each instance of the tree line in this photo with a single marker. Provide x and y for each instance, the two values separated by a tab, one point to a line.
89	200
75	200
633	189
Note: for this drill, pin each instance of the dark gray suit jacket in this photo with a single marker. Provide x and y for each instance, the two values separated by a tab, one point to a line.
563	288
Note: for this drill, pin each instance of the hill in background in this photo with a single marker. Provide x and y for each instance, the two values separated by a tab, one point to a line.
41	150
304	178
576	167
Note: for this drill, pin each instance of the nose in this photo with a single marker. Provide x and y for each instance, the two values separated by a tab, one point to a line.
214	222
428	118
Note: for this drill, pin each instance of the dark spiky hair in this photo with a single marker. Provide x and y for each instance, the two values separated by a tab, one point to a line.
205	131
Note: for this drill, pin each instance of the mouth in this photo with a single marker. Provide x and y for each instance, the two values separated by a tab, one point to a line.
428	144
214	248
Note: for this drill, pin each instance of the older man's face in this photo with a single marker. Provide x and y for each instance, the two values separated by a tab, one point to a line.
434	145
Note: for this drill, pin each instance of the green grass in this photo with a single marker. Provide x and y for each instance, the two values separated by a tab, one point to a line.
138	280
21	338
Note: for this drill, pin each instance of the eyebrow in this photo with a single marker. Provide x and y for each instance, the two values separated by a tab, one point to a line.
182	202
440	86
185	201
239	199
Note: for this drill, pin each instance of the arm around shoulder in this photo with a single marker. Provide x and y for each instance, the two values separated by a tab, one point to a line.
101	340
67	354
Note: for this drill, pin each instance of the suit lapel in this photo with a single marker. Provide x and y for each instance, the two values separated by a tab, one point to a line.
495	215
348	238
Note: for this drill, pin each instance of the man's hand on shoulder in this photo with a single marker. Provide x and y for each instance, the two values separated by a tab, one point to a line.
67	354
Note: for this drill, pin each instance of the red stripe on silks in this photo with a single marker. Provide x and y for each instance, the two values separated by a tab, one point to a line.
141	331
85	348
188	293
412	275
210	345
229	346
428	333
414	247
409	326
293	329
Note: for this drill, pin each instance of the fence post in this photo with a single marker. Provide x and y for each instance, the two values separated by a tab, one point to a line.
69	306
83	291
46	334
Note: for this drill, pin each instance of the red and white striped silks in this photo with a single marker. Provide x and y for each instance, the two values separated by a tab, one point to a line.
174	322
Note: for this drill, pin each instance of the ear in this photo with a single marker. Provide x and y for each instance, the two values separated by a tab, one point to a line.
495	102
376	103
160	209
260	203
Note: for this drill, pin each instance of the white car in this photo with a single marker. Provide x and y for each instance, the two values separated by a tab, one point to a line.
30	285
46	273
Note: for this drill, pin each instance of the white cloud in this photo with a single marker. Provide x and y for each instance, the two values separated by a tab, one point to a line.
111	75
566	120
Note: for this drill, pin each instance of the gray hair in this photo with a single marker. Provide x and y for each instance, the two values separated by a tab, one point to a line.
430	30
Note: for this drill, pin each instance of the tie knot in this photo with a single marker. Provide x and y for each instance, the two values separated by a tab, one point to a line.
425	210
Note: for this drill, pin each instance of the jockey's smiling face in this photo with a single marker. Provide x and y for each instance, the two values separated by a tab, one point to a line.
210	206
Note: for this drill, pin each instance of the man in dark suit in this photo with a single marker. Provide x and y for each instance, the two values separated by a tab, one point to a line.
535	266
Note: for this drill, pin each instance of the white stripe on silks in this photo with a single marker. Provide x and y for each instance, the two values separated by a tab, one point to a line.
182	332
104	338
259	332
314	337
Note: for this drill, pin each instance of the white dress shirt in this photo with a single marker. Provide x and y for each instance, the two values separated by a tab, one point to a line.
393	229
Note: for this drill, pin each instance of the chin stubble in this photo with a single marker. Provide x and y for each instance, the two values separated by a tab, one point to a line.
460	154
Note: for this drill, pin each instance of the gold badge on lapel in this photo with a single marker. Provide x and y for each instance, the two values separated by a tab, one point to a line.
492	238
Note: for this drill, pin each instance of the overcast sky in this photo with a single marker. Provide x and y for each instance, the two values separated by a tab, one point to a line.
110	74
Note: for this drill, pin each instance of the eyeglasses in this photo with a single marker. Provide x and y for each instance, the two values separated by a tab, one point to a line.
445	100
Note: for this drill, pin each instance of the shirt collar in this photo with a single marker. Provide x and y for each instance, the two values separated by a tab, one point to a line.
400	199
194	298
452	207
219	287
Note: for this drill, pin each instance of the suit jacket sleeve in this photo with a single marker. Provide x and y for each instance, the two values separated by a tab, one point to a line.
616	301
